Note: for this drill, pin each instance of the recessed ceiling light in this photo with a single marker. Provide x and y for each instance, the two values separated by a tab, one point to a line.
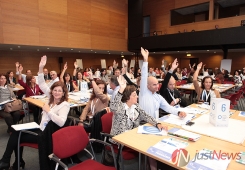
186	52
94	52
91	50
215	52
178	51
11	48
154	52
48	48
18	46
37	49
79	51
188	55
71	49
121	52
163	53
207	50
122	56
60	51
109	53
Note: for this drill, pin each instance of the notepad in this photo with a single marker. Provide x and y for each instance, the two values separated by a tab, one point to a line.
151	130
184	134
38	96
6	101
176	120
165	148
205	159
26	126
242	113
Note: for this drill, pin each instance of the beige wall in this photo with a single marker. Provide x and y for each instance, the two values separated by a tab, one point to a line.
90	24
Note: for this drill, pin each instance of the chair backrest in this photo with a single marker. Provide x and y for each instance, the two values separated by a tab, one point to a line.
106	121
69	141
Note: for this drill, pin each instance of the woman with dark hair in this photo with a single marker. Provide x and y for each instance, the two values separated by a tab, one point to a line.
98	100
104	76
31	89
67	79
205	92
10	78
237	78
82	81
6	93
56	110
127	114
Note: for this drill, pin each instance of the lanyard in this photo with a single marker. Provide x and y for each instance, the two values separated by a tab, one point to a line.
206	95
93	106
172	96
34	90
68	87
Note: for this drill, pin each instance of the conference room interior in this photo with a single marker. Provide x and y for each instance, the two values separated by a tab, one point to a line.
96	30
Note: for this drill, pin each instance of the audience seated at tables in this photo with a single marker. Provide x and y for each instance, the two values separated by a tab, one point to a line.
11	80
190	77
46	74
6	93
98	100
205	92
28	72
178	73
56	110
81	81
157	71
237	79
151	72
128	114
225	73
168	90
54	78
104	76
67	79
97	73
31	89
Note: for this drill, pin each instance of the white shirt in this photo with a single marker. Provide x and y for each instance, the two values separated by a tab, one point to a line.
151	102
112	92
52	81
23	76
97	74
58	113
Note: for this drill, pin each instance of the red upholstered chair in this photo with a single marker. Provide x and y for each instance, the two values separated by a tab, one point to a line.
31	145
71	140
125	152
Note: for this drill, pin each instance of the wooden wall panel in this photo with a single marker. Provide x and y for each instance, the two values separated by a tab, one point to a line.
116	44
50	37
19	14
100	15
78	40
18	34
185	3
52	20
100	42
55	6
63	23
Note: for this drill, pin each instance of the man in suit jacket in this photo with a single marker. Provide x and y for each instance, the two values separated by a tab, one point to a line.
46	74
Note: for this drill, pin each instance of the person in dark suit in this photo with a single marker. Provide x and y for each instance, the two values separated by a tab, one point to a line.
46	74
168	90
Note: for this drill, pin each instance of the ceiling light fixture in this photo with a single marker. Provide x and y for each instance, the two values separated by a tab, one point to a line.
48	48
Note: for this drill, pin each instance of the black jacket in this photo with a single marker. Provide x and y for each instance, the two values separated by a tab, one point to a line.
165	92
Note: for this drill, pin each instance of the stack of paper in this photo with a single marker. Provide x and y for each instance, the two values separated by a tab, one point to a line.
151	130
165	148
184	134
176	120
38	96
208	160
192	110
26	126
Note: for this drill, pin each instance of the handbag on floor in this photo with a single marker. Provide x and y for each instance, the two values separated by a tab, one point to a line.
13	106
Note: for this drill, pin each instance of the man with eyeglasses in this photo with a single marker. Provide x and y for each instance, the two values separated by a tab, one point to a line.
54	78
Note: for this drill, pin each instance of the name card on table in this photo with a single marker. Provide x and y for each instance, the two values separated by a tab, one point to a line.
219	112
83	87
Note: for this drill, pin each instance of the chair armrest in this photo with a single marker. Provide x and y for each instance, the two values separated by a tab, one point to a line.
57	160
106	134
29	132
104	143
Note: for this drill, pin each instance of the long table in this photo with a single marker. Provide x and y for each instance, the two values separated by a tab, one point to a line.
141	143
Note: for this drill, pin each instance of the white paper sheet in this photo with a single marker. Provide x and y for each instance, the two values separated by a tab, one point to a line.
232	133
26	126
176	120
151	130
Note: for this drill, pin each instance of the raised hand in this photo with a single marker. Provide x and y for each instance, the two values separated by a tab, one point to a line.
65	66
125	64
163	61
43	61
17	64
145	54
175	64
75	65
122	82
123	71
20	69
199	66
204	65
